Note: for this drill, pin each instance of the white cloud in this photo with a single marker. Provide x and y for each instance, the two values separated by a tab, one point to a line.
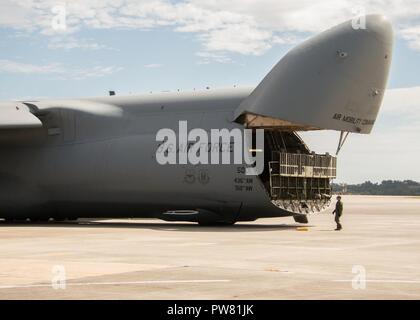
153	65
56	70
412	36
248	27
243	39
69	43
403	101
206	57
218	30
94	72
8	66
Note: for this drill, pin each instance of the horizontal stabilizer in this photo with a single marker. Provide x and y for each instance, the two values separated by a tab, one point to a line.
17	116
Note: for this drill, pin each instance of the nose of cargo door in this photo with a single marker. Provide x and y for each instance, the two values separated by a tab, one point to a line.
335	80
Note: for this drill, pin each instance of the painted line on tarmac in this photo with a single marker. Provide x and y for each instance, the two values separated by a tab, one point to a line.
80	284
383	281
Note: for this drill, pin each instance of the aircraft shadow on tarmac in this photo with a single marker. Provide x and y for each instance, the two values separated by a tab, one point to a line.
163	226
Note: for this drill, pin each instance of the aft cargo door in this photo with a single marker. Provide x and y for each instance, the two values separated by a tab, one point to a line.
334	81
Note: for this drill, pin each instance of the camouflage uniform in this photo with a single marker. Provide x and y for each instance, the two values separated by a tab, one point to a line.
338	212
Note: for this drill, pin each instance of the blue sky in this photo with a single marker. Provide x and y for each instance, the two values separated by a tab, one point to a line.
154	45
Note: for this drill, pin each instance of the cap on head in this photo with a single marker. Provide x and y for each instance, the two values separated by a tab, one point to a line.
339	198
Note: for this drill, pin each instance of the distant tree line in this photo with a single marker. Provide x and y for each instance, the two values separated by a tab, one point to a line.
386	187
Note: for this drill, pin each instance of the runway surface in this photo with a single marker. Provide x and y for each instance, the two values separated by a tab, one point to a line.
266	259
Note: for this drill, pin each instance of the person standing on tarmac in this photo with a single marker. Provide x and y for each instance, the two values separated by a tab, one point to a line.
338	213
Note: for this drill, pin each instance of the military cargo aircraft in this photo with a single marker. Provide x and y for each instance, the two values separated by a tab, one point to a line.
96	157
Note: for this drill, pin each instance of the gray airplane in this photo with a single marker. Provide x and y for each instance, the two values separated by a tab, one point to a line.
96	157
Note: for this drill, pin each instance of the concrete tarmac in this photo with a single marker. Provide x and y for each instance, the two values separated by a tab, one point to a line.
376	256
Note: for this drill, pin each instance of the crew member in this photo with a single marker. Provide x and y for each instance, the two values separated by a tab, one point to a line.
338	213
